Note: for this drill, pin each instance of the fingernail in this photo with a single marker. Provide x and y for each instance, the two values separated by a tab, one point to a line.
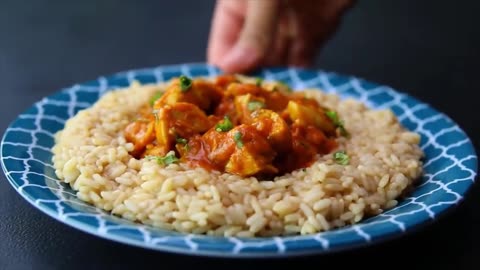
241	58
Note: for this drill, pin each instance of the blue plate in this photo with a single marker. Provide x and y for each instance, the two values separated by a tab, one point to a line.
450	167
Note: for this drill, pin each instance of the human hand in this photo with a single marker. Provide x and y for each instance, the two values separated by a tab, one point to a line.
247	34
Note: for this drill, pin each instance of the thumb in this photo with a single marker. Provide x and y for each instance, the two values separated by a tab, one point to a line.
255	39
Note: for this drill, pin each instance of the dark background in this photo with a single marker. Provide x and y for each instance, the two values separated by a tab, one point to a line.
429	49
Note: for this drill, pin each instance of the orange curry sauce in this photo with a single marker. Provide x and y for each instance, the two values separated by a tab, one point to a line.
248	129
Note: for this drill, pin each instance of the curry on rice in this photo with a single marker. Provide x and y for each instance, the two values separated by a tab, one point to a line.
236	156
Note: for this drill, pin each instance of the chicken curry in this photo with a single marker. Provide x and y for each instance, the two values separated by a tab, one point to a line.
229	125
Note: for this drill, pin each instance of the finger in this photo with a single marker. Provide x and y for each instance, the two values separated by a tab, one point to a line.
226	25
302	53
278	54
306	44
302	48
255	38
314	22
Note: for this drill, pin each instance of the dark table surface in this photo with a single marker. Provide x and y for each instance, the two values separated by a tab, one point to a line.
429	49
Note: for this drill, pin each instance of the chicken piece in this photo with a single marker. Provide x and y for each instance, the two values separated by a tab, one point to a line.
140	133
204	94
268	123
245	105
252	155
188	119
302	99
239	89
271	126
162	134
214	119
301	154
227	108
245	163
195	153
181	119
154	150
276	95
277	87
276	100
220	147
224	80
227	104
307	114
307	142
313	138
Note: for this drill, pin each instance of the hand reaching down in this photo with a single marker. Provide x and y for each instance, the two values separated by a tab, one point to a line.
247	34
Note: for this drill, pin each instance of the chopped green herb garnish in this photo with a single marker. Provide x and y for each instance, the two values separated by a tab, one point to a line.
225	125
341	157
255	105
155	97
258	82
333	116
181	140
185	83
237	137
165	160
337	122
